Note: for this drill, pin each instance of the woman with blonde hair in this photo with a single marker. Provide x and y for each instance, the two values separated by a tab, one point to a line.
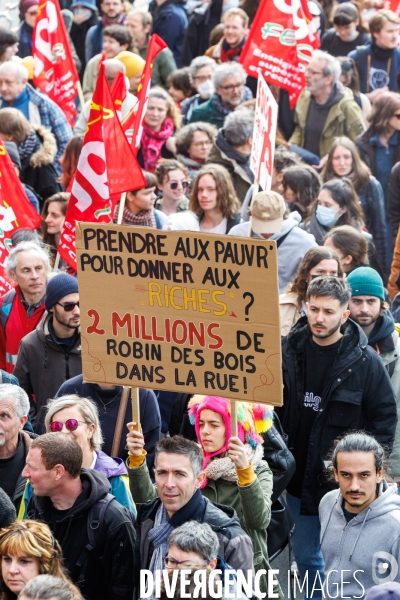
28	549
213	199
160	122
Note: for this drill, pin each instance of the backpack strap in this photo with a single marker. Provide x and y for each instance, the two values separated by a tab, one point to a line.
123	403
361	54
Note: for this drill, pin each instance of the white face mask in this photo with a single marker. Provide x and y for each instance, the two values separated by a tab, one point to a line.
206	88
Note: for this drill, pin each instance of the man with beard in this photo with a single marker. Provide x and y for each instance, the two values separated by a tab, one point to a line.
52	353
369	309
113	12
333	382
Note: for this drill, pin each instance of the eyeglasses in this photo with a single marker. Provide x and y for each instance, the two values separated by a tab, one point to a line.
171	563
70	424
230	88
68	306
174	184
199	144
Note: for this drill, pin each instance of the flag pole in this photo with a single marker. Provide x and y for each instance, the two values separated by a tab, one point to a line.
80	94
56	262
121	208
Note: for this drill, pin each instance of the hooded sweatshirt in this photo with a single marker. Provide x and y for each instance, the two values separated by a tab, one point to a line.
352	546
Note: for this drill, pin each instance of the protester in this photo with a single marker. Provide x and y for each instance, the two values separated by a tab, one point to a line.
239	460
317	262
37	149
8	45
22	308
116	39
213	199
201	24
393	283
27	13
229	48
378	61
113	12
12	151
347	32
170	22
51	353
300	188
139	206
337	204
344	161
160	122
193	143
27	550
283	158
369	309
48	587
15	446
68	499
370	509
53	215
180	86
176	499
268	220
350	245
85	17
349	78
139	24
69	160
36	107
230	91
134	65
393	203
80	418
172	181
329	400
325	109
201	70
232	149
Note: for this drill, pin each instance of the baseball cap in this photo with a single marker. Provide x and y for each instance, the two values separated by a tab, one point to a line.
266	212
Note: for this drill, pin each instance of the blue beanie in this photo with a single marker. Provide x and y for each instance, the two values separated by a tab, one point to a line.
365	281
385	591
59	286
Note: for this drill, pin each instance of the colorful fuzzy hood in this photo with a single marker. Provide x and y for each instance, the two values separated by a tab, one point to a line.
253	419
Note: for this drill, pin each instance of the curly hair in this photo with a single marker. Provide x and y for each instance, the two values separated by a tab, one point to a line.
227	199
185	136
34	539
310	260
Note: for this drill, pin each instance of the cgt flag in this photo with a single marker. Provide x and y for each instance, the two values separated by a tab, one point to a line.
55	73
106	167
132	123
15	211
279	46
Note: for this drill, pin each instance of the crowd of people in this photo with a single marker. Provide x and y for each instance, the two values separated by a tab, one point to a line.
89	501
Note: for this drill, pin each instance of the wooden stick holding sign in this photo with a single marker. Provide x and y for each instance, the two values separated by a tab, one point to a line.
234	423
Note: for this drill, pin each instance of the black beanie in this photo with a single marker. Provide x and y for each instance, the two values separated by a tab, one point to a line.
59	286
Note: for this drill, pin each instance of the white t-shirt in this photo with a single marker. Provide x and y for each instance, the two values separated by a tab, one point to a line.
221	228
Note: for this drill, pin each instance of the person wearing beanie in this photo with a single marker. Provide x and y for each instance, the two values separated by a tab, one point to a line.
370	311
51	354
134	65
27	14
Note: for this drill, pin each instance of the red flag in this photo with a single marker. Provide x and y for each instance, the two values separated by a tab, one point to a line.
55	73
106	166
118	91
132	123
280	43
15	211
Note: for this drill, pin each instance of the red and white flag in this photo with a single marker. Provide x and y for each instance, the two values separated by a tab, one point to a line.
106	168
280	44
132	124
15	212
55	72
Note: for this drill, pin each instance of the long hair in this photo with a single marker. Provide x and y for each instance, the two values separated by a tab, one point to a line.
228	202
350	242
172	109
360	173
70	159
33	539
343	192
310	260
304	181
62	198
383	109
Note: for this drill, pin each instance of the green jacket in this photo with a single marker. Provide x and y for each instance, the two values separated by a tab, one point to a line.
344	118
164	64
208	113
253	506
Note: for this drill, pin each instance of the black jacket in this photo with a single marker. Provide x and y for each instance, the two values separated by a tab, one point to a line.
197	35
109	571
358	395
27	438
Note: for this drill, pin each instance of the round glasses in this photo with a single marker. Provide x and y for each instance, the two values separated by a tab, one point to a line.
70	424
174	184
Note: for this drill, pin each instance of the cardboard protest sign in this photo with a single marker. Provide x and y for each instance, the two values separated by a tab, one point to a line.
180	311
264	133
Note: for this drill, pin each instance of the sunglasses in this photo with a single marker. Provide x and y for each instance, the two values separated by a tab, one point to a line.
69	306
174	184
70	424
